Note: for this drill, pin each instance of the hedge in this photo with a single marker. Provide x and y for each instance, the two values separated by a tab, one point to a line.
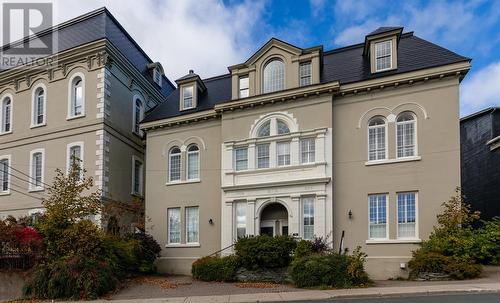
265	251
215	269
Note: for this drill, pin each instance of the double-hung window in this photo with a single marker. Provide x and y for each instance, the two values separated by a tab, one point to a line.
174	225
263	155
76	94
283	153
377	206
38	107
407	215
6	115
305	73
174	165
377	139
36	171
138	115
240	219
75	158
308	217
241	159
192	225
187	97
307	150
4	175
406	135
383	55
193	162
244	87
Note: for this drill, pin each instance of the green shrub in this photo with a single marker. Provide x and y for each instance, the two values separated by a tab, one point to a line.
264	251
304	248
434	262
486	248
148	250
215	268
330	270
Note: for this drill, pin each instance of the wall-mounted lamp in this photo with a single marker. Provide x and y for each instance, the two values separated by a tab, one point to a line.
350	214
210	221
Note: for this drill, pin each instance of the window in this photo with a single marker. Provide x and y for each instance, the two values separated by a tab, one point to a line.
376	139
407	215
241	159
38	109
263	156
174	225
192	225
75	158
383	54
308	215
193	162
265	129
187	97
405	135
244	87
4	175
240	219
378	216
157	75
36	171
283	153
137	176
305	73
274	76
76	104
307	150
6	115
138	116
174	165
282	128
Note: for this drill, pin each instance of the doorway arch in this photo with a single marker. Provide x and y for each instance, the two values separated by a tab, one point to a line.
273	220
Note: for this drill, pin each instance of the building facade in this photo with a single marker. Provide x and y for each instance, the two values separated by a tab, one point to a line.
480	161
84	106
346	144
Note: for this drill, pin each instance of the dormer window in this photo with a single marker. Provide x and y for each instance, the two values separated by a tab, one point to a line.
383	55
305	73
274	76
244	86
157	75
187	97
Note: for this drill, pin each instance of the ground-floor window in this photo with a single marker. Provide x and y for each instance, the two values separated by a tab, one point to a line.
192	225
378	216
240	219
308	215
174	225
406	215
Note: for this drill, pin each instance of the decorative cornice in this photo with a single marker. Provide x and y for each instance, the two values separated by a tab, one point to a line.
278	183
176	121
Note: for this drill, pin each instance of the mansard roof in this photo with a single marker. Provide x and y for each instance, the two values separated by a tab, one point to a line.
93	26
345	65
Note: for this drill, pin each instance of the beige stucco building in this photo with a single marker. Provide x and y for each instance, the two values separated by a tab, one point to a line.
358	144
86	104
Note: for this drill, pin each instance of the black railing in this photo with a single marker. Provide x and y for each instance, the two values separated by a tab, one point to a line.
14	260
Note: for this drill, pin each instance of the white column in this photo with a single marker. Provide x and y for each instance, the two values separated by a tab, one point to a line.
251	156
295	151
320	215
272	155
295	225
250	220
227	164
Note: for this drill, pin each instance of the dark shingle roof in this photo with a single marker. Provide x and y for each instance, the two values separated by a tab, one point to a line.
346	65
384	29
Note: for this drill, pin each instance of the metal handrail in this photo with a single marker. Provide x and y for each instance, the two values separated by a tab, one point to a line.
221	250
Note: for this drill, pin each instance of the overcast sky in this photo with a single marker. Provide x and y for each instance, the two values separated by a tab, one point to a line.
209	35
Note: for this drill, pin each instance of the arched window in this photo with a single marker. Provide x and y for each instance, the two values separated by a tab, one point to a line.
174	164
6	115
77	97
274	76
75	158
406	135
38	107
193	162
138	115
282	127
265	129
377	139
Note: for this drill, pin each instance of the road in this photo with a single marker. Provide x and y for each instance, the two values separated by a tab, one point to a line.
457	298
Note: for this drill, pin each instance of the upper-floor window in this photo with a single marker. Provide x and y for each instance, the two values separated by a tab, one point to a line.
283	153
138	115
77	98
243	87
383	55
6	115
157	75
36	170
377	139
137	175
38	107
193	162
282	127
263	155
187	97
265	129
4	175
273	127
174	165
305	73
274	76
75	158
241	158
307	150
406	135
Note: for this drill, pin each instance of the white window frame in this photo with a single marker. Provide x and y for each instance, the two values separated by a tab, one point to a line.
2	108
390	55
32	186
71	94
236	159
236	205
416	236
183	88
257	156
302	77
415	138
169	240
34	105
135	123
169	171
386	144
386	216
188	153
313	201
309	153
68	156
6	192
187	223
139	193
272	88
278	155
243	89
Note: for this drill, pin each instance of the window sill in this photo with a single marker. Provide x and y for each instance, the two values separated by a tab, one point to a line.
38	125
4	193
277	168
5	133
390	161
187	245
75	117
182	182
394	241
33	190
138	195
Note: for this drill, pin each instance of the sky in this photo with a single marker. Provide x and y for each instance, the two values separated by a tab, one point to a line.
209	35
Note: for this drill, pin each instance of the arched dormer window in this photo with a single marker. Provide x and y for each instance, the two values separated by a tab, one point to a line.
6	115
38	107
76	102
138	115
406	135
193	162
274	76
174	164
377	143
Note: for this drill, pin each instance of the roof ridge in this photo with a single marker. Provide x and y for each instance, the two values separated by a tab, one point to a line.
216	77
361	44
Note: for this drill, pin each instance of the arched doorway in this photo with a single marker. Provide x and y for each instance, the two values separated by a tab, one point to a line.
274	220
